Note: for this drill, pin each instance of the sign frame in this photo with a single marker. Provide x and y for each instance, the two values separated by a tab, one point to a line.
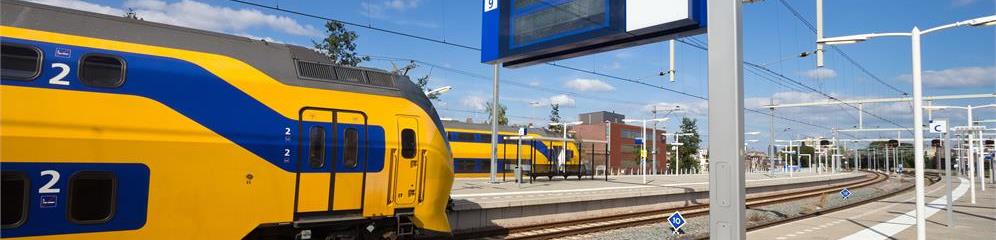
573	38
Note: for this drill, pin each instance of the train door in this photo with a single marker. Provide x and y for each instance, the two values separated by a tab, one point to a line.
350	157
406	162
333	161
314	171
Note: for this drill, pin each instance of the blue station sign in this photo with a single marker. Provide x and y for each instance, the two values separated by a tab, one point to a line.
524	32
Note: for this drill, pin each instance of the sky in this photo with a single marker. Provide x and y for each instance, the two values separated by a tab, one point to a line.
955	61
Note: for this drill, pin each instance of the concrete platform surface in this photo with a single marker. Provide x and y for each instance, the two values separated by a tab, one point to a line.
478	193
894	218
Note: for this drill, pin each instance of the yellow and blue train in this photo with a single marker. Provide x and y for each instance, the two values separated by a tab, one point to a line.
117	128
542	154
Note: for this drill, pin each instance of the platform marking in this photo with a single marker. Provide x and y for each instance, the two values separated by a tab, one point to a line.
889	228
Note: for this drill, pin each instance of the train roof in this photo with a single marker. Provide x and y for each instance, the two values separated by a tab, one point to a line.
289	64
458	125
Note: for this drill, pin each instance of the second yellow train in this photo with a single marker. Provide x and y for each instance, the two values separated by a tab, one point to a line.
543	154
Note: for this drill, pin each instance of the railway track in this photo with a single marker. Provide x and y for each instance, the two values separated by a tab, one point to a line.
599	224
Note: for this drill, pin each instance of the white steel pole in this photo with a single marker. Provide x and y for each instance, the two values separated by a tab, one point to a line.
563	149
670	71
643	154
727	214
861	116
653	134
971	157
494	128
819	33
947	174
921	225
982	162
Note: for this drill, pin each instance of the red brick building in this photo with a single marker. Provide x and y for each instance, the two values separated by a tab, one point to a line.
623	148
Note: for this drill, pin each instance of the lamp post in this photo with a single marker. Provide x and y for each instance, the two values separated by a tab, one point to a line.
971	146
643	151
563	149
438	91
921	231
677	161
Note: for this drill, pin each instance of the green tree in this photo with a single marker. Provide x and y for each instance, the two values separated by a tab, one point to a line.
690	147
502	119
339	45
555	117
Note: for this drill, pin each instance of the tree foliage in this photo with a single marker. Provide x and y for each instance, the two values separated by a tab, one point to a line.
555	118
502	119
690	147
339	45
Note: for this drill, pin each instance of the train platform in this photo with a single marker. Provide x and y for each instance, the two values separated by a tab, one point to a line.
478	204
478	193
894	218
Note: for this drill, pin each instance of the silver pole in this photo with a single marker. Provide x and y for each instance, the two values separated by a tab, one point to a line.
671	72
971	157
982	162
643	155
819	33
771	137
726	111
494	128
653	134
947	181
921	202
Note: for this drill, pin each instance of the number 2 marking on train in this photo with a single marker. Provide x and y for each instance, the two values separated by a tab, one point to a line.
47	188
287	131
286	152
57	79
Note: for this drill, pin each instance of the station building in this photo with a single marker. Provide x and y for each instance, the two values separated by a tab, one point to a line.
624	150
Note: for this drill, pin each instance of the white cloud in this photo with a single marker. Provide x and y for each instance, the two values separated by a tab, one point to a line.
562	100
820	73
84	6
475	102
402	4
381	11
194	14
588	85
534	83
958	77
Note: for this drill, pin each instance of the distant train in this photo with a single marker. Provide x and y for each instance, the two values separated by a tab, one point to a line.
544	155
116	128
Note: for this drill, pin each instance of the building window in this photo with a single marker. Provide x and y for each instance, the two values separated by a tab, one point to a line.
350	148
19	62
408	143
102	71
91	197
14	198
316	147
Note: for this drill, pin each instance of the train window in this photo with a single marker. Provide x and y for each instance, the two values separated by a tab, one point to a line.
102	71
14	198
91	197
351	148
20	63
485	138
316	146
408	143
465	137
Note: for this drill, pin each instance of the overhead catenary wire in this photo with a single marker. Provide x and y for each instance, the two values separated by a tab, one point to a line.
838	50
796	82
462	46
